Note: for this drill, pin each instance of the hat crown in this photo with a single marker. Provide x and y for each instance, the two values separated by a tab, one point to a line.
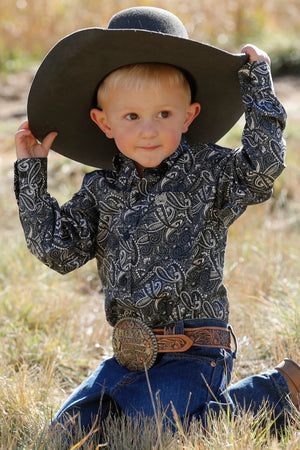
149	19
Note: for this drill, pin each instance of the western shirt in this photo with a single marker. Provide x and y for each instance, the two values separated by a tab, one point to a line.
159	241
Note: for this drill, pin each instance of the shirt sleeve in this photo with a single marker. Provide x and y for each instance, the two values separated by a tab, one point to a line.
249	172
63	237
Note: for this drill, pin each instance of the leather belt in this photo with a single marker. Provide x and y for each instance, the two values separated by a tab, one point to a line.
136	345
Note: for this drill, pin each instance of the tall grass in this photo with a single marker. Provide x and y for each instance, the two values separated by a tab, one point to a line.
53	332
29	28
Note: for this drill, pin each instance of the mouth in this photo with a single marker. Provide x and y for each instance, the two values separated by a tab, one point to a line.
149	148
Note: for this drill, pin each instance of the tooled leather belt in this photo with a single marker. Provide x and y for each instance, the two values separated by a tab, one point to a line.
136	345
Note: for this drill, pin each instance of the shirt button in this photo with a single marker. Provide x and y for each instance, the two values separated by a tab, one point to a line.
123	280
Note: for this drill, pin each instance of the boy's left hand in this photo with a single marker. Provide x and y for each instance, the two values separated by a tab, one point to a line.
256	54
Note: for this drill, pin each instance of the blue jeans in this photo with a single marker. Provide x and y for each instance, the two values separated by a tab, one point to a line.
195	382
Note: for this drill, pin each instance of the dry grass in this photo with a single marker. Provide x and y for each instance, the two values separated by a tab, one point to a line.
30	28
52	328
53	332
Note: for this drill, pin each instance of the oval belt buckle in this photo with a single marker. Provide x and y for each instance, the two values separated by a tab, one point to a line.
134	344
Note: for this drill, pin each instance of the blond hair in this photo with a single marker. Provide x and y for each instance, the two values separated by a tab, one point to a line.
136	75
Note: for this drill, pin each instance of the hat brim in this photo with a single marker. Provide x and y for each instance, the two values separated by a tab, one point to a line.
64	88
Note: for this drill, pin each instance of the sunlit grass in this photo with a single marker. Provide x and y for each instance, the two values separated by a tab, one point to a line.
29	29
53	332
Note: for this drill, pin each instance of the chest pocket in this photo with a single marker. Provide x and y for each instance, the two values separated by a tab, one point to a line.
169	224
172	210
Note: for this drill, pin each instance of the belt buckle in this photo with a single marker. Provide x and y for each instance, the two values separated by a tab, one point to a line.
134	344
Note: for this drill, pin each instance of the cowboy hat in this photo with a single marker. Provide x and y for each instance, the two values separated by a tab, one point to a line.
64	88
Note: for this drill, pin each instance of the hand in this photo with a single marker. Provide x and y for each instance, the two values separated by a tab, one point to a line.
256	54
27	145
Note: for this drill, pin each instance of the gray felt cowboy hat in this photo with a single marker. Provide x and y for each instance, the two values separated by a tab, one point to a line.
64	88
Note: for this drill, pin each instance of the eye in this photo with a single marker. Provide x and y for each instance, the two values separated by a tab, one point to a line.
164	114
132	116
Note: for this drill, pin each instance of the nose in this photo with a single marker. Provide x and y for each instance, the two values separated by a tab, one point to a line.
148	129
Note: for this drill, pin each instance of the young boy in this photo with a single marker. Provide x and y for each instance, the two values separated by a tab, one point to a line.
156	224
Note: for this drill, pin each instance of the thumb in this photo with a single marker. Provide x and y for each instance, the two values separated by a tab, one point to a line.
48	140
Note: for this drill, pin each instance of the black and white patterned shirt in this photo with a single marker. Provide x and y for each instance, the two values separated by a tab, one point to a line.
159	241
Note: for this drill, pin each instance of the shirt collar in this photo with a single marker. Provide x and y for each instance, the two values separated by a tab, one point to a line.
125	166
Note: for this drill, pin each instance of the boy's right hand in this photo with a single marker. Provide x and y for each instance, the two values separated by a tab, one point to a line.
27	145
256	54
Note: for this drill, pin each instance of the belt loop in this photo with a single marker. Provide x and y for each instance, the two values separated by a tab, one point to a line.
179	327
235	341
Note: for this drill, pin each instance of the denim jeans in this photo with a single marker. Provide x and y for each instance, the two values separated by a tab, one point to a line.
194	383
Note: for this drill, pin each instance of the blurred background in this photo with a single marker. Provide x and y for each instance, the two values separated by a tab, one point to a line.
29	28
53	331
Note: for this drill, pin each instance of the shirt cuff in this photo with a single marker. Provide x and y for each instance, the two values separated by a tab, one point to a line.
30	174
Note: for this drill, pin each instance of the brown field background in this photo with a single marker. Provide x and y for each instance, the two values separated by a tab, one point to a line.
52	328
29	28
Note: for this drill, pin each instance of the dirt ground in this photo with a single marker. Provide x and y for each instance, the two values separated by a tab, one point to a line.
14	90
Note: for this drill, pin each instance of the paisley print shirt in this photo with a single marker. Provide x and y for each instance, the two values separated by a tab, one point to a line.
159	241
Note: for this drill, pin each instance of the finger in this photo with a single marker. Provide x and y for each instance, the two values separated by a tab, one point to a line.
22	133
24	125
48	140
245	49
256	54
250	49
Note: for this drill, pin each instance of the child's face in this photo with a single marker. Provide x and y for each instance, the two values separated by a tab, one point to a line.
147	123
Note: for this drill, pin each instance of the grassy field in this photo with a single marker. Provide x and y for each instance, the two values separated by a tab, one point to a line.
29	28
52	328
53	331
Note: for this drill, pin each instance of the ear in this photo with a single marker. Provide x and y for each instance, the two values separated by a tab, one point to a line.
192	112
99	117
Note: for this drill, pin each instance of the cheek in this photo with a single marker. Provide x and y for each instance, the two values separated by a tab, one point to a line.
123	139
174	136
